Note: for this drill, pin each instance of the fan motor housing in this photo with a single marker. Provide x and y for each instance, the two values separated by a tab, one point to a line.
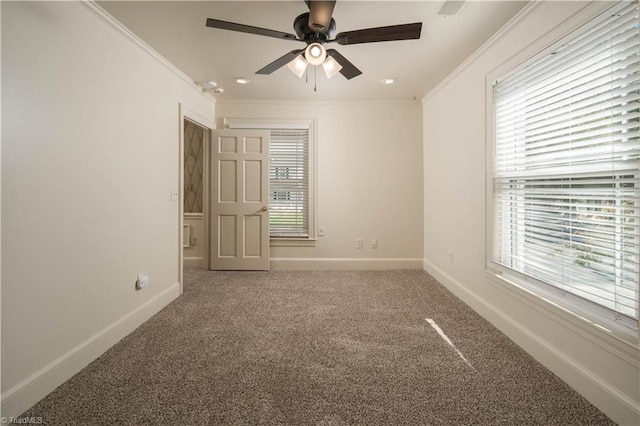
301	27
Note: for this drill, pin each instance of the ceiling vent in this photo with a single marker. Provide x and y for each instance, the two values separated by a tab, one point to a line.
450	7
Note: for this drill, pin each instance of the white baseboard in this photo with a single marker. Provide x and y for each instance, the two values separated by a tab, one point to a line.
610	400
343	264
193	262
25	394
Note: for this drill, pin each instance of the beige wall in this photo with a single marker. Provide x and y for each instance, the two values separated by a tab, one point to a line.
90	128
369	182
604	369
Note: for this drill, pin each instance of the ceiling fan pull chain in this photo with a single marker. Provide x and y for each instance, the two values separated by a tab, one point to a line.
315	79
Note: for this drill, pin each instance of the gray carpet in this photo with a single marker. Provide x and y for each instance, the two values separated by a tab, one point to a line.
315	348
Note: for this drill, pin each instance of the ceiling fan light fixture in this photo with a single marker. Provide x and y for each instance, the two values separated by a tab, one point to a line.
331	67
317	27
298	66
315	54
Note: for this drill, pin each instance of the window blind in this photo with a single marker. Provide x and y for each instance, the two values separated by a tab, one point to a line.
566	165
289	182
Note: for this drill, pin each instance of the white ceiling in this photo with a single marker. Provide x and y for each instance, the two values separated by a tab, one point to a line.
176	29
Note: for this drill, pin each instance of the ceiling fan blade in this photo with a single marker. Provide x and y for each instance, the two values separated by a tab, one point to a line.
280	62
232	26
374	35
348	69
320	15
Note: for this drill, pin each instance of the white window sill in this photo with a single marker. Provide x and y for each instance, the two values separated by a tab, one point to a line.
605	332
292	242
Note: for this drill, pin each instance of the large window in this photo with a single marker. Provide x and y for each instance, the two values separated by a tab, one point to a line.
291	177
566	179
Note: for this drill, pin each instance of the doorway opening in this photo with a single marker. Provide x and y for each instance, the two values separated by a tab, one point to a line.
194	211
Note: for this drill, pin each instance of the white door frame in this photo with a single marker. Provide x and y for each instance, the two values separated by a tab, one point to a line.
187	114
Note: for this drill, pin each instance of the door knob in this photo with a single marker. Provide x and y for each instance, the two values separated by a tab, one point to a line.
264	209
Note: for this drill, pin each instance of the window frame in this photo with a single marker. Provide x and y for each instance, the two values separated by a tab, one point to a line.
584	316
289	123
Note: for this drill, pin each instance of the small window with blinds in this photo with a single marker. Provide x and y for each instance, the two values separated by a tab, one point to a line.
566	179
289	183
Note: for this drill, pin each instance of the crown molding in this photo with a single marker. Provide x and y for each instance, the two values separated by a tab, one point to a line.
98	11
586	12
513	22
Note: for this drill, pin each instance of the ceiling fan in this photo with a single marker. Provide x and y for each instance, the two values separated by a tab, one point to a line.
316	28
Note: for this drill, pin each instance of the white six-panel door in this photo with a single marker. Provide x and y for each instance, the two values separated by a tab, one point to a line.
240	200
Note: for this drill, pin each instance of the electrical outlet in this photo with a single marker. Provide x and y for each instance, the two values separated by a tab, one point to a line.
374	244
450	257
142	281
359	243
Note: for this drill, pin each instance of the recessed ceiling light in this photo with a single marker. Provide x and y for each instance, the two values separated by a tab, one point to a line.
242	80
388	80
